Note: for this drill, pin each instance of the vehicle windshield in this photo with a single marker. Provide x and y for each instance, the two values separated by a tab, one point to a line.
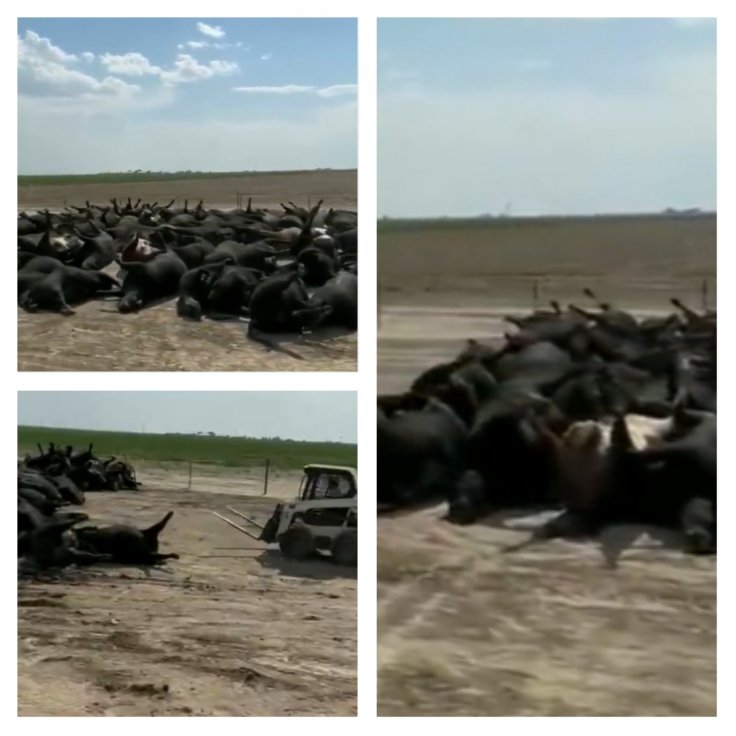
331	485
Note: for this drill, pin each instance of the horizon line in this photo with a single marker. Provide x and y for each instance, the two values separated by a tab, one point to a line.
183	434
667	212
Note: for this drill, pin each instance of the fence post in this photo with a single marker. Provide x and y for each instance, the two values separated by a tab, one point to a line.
704	294
379	300
190	477
535	294
265	480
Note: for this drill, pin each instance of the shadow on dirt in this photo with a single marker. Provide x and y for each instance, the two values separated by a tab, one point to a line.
319	567
290	342
612	541
151	304
29	572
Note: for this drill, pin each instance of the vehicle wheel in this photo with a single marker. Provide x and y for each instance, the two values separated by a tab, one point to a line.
297	542
345	549
114	484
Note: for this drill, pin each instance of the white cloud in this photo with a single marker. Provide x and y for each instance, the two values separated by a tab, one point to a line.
88	56
285	89
337	90
43	72
131	64
33	49
223	68
209	45
266	57
211	31
187	69
63	82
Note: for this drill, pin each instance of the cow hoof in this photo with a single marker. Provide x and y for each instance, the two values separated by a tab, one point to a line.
462	516
698	542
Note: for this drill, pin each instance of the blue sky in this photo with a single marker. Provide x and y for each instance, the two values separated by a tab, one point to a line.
219	94
285	414
536	116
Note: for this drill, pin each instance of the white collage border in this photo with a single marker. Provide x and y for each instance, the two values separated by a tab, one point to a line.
365	381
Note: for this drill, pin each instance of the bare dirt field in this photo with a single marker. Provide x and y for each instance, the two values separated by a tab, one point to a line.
549	631
553	630
98	338
486	261
229	629
337	188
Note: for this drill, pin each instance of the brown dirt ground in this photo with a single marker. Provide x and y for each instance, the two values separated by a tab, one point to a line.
337	188
549	631
97	338
230	629
626	257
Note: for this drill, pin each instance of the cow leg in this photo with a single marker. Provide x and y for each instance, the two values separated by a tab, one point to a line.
567	525
698	525
158	558
79	557
310	317
468	501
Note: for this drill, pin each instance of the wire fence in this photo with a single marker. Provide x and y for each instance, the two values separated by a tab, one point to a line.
258	479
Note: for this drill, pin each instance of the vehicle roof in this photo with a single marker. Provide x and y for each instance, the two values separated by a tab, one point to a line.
319	466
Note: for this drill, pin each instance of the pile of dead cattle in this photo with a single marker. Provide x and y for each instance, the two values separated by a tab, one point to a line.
288	271
607	417
50	486
64	475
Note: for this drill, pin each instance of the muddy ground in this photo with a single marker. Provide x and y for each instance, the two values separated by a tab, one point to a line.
553	630
229	629
98	338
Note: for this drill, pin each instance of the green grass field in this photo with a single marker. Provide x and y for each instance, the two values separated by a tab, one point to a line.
137	177
224	451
